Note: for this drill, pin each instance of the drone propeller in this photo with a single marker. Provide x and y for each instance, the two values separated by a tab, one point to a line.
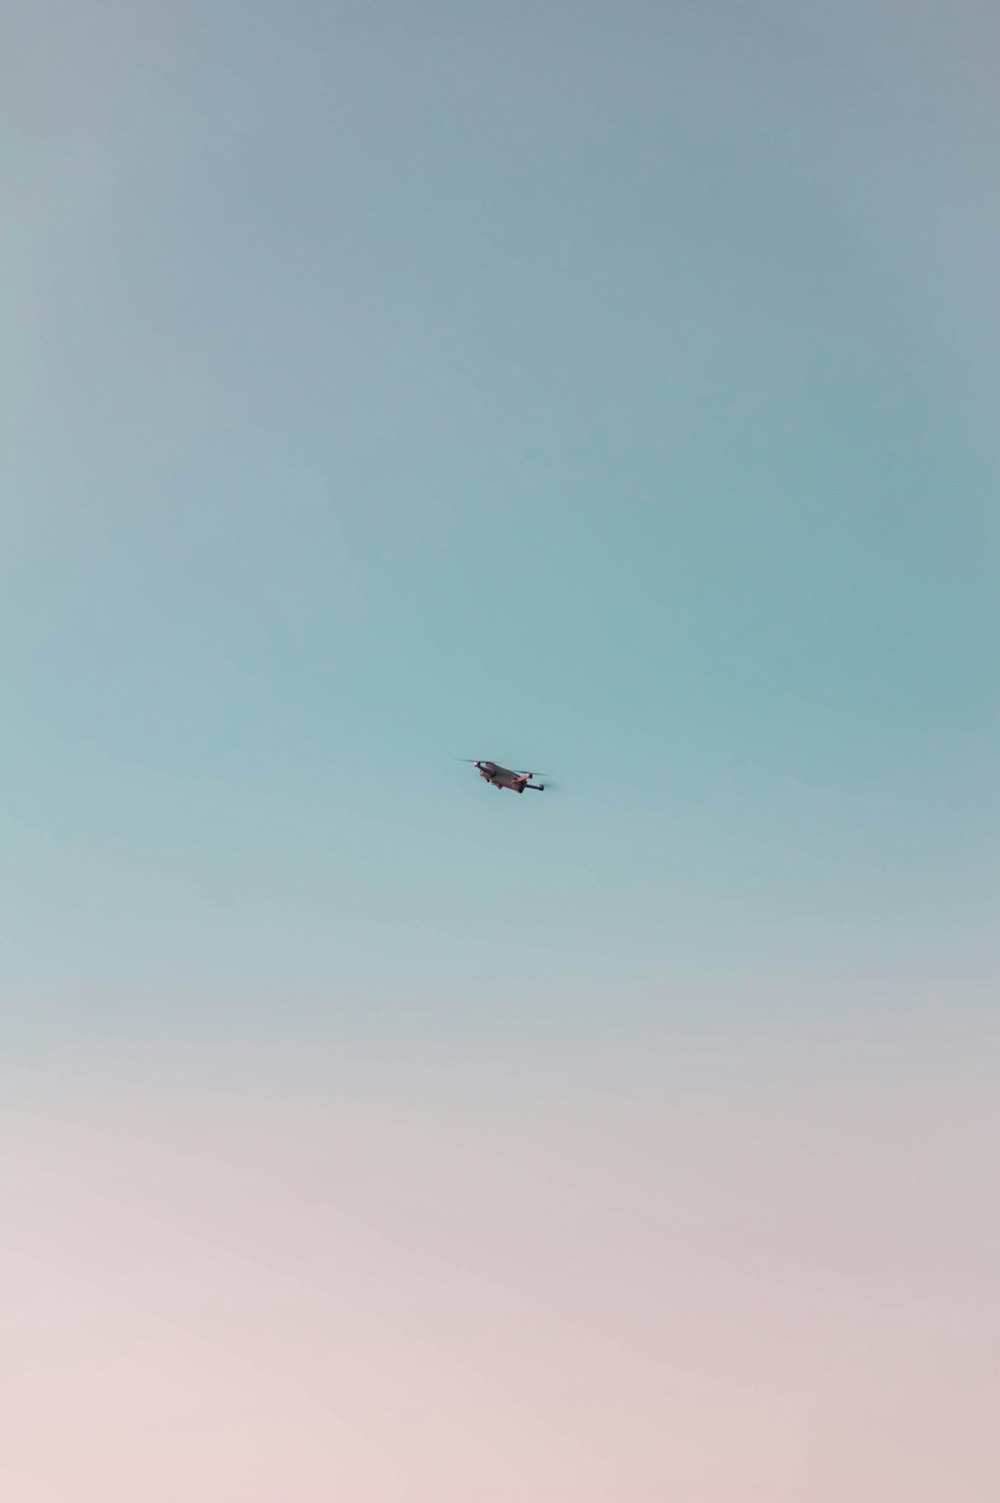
523	772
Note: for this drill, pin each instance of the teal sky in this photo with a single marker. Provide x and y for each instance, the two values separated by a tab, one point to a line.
612	392
603	388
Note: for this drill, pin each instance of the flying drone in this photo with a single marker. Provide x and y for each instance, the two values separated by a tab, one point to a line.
516	779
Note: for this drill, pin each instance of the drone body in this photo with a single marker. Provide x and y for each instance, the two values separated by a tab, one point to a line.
505	777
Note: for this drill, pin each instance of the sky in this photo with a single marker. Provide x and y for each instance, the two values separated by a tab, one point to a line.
608	389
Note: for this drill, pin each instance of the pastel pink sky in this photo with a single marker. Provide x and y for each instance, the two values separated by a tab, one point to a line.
735	1268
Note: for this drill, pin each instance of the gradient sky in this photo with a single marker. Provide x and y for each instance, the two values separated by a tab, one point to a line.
605	388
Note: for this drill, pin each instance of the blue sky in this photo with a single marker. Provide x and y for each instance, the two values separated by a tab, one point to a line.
609	389
608	393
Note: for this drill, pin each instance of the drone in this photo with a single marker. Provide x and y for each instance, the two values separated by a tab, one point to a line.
516	779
